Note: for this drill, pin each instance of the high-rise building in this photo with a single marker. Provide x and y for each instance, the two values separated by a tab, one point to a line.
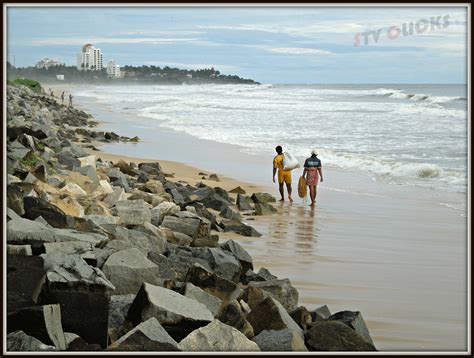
113	69
90	58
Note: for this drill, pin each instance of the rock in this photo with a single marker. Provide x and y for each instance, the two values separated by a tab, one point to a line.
97	208
232	315
118	308
335	336
15	199
283	340
163	209
115	174
69	206
210	282
35	207
19	341
70	337
239	228
262	198
320	313
211	302
187	226
147	336
101	188
41	322
237	190
271	315
153	186
217	336
150	168
178	264
141	240
214	177
89	160
67	158
281	290
68	247
179	315
227	213
254	296
210	241
89	171
128	269
126	167
209	198
30	178
73	189
24	250
133	212
302	317
223	264
101	220
239	253
264	209
114	196
354	320
262	275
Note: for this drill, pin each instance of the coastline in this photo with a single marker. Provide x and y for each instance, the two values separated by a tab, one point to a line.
358	264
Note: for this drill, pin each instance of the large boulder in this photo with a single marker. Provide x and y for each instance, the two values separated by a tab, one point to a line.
209	198
223	263
302	317
281	290
178	314
133	212
143	241
211	302
232	315
187	226
217	336
354	320
118	308
320	313
239	253
128	269
41	322
15	199
264	209
263	198
335	336
147	336
239	227
284	340
19	341
270	315
35	207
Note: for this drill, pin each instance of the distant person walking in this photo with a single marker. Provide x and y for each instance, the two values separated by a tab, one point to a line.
62	98
52	93
312	171
284	176
70	100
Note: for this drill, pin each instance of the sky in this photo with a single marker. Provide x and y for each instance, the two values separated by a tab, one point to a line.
300	45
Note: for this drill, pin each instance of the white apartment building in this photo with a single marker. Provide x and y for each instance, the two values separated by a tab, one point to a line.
113	69
90	58
46	63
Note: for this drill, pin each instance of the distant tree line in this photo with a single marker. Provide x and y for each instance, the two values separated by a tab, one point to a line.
132	74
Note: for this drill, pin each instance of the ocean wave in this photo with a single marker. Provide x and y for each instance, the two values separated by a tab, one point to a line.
416	170
400	94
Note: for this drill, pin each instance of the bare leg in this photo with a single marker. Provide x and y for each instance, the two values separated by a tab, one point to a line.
288	188
312	193
280	187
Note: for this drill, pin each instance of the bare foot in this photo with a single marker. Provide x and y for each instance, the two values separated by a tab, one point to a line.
290	199
281	199
312	204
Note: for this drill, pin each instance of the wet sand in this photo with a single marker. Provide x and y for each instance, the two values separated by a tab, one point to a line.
391	252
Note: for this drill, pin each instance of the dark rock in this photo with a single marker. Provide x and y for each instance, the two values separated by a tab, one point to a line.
335	336
41	322
320	313
239	228
210	282
208	198
126	168
35	207
222	193
15	199
302	317
210	241
232	315
80	345
239	253
67	158
142	178
111	136
281	290
353	320
150	168
118	308
264	209
284	340
227	213
188	226
214	177
147	336
237	190
179	315
271	315
263	198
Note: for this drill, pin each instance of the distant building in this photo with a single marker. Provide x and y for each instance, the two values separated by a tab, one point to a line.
189	75
113	69
46	63
60	77
90	58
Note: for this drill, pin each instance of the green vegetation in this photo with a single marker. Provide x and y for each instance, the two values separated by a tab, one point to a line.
30	160
131	74
33	85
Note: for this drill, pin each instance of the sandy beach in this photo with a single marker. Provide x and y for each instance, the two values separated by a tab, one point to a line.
395	255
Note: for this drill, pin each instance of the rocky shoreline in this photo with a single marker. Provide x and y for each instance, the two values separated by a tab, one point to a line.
117	256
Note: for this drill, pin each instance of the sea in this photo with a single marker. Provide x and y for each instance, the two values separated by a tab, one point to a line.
411	135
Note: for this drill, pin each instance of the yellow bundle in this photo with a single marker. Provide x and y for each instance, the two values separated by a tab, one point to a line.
302	187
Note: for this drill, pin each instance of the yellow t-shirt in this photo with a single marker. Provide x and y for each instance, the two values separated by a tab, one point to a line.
278	163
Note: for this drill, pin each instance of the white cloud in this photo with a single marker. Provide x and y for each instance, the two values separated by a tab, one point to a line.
298	51
107	40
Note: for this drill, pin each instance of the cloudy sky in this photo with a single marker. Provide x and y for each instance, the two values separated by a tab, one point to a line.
270	45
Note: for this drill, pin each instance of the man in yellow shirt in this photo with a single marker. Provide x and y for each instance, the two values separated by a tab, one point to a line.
284	176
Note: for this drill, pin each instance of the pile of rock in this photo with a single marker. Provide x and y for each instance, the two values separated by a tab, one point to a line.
115	256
